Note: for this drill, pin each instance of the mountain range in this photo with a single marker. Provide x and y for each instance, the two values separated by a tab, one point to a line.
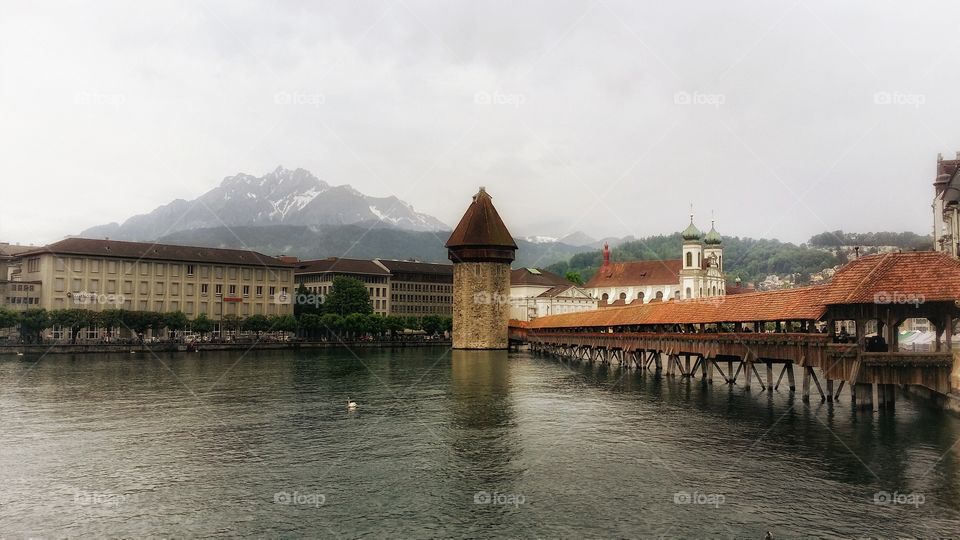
281	197
292	212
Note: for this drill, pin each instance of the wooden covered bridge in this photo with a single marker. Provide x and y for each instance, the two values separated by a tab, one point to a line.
841	334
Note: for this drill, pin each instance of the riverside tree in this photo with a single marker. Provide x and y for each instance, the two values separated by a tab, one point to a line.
348	296
32	324
202	325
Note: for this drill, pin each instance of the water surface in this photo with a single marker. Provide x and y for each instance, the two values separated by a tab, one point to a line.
468	444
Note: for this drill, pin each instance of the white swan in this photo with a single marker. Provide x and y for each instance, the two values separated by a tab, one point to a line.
351	405
19	354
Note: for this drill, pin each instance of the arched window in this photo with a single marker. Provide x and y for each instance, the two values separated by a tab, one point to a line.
689	292
659	295
689	258
640	297
623	296
605	297
699	261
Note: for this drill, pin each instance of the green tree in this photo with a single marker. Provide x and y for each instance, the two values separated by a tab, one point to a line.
202	325
356	324
110	319
432	324
304	302
394	324
310	324
332	324
141	321
73	320
574	277
8	319
229	323
32	324
376	324
348	296
175	321
256	324
283	323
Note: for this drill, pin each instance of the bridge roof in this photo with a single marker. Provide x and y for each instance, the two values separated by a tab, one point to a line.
927	276
788	304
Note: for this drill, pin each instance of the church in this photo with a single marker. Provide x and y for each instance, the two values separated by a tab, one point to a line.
697	274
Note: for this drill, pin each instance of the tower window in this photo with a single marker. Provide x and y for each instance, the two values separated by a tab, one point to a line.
689	258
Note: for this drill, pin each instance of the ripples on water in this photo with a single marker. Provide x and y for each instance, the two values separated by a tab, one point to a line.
215	444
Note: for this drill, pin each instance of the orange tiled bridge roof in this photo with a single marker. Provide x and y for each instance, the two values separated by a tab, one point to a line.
924	276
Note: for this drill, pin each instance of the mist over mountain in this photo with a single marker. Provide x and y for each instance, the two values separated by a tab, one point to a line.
281	197
355	241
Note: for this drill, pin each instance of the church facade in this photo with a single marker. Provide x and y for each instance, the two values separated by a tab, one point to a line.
697	274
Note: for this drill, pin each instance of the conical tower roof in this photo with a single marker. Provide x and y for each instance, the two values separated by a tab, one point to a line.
481	234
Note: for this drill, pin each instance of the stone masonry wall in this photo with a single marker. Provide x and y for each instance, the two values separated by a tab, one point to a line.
481	307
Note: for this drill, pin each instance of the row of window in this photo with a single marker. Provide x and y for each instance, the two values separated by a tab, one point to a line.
21	287
161	288
433	299
144	268
226	308
20	300
421	287
435	310
328	277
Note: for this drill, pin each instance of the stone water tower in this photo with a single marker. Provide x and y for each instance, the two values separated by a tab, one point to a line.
481	249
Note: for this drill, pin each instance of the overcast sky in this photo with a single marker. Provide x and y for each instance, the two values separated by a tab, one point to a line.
784	118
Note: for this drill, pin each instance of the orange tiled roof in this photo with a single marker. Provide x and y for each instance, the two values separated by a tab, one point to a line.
928	276
924	276
788	304
637	273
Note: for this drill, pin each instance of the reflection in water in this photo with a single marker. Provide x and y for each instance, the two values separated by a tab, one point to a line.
204	444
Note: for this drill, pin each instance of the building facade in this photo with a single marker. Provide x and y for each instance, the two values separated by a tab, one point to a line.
317	277
697	274
946	206
109	274
419	288
535	292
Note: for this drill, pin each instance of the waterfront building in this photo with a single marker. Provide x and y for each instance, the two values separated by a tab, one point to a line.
419	288
946	206
535	292
697	274
481	249
317	277
109	274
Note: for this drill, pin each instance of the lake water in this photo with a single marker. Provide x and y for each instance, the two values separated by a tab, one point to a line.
461	444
